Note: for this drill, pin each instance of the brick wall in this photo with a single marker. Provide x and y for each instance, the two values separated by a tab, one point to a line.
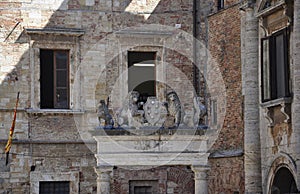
169	179
55	141
226	174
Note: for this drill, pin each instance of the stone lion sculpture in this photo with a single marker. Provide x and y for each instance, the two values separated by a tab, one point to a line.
173	107
103	114
130	115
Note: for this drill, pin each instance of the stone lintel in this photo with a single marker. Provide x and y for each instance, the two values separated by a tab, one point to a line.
55	31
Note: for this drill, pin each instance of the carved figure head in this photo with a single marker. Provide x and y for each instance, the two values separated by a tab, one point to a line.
134	97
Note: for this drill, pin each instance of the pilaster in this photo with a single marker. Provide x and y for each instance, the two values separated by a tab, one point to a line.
201	178
250	81
103	179
296	79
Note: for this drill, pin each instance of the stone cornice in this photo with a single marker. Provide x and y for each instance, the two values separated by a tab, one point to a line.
55	31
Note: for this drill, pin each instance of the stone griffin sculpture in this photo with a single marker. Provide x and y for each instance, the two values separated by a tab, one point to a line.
173	107
103	114
130	115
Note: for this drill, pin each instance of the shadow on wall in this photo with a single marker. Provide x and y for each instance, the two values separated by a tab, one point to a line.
97	18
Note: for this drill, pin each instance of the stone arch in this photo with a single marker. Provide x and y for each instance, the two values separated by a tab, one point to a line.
283	168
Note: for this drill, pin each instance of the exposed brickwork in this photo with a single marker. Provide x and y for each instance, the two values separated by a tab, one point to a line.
224	45
227	175
93	60
179	179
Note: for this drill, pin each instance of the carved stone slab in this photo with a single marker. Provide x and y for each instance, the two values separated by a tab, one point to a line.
152	109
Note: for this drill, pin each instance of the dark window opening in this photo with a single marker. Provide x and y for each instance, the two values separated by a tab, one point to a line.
275	66
54	79
141	74
54	187
267	4
143	187
284	182
142	190
220	4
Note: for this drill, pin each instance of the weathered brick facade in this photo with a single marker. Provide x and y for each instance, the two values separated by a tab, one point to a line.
224	45
250	143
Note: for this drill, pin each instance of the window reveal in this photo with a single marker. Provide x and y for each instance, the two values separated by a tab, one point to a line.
275	66
141	74
54	79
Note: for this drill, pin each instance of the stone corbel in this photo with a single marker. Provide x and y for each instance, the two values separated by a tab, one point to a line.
268	117
287	117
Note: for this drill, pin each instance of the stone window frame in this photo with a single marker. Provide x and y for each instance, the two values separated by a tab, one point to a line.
37	177
54	39
268	27
55	76
142	41
213	112
272	66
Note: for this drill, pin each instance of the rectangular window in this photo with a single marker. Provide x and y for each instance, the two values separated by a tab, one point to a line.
275	66
213	110
220	4
54	79
54	187
143	187
141	74
142	190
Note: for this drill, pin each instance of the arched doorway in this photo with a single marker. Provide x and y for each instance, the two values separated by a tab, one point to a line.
283	182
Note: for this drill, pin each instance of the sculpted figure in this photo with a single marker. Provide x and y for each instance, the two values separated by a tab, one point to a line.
103	114
130	115
173	107
200	112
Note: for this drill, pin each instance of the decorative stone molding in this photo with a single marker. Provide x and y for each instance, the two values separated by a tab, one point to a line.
36	177
268	117
55	39
148	151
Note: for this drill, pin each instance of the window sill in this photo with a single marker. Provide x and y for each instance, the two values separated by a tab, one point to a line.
53	111
276	102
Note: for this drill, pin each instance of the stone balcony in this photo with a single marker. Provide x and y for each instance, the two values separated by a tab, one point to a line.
146	148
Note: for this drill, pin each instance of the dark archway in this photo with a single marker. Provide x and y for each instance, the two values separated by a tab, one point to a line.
284	182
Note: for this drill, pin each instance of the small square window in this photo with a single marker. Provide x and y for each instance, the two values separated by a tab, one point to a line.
54	187
54	79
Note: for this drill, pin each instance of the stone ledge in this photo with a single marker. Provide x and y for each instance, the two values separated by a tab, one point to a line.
155	131
54	111
276	102
55	31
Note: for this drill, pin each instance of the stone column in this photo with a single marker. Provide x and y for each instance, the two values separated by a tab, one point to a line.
201	178
103	179
296	80
250	79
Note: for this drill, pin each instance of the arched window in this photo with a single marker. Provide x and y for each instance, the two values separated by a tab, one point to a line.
283	182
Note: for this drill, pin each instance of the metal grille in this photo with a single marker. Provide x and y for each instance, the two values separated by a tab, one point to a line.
142	190
54	187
